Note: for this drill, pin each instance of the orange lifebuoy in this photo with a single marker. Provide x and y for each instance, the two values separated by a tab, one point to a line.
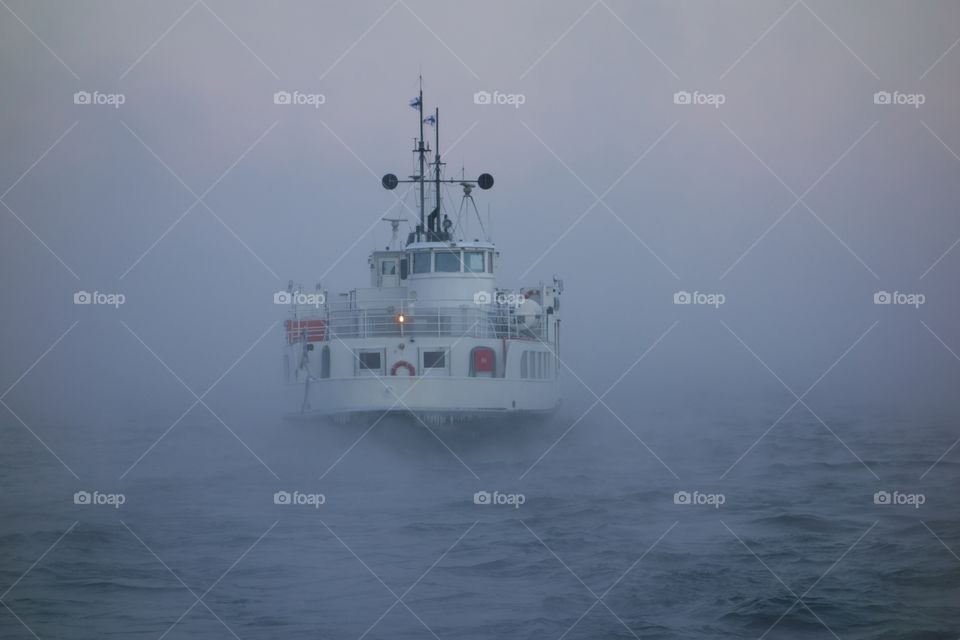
403	363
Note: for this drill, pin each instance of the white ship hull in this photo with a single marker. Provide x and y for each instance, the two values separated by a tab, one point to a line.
430	399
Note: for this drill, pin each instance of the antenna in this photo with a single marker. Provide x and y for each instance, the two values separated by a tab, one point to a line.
395	228
468	198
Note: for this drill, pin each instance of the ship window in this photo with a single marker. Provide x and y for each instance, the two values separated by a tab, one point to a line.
421	262
435	359
535	365
370	361
388	267
403	268
473	261
489	262
448	261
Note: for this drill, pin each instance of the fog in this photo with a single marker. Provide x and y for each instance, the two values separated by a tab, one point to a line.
797	198
307	190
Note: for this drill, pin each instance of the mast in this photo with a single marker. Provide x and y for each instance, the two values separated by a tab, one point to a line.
436	126
420	152
390	181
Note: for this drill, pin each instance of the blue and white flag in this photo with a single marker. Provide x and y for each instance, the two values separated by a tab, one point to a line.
415	103
430	120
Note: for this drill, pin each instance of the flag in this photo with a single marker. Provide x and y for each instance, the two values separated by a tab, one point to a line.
430	120
415	103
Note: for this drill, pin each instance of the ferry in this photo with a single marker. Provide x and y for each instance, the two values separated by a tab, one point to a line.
432	336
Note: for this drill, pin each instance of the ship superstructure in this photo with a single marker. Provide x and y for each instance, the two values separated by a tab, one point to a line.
432	335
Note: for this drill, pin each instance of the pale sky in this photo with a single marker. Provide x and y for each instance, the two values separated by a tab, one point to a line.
703	198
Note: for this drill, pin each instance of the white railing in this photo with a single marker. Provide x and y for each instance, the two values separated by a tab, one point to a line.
420	318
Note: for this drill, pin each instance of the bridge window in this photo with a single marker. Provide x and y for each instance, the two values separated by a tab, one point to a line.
473	261
421	262
388	267
489	261
448	261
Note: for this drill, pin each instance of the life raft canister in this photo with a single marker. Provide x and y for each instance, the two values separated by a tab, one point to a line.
403	363
313	329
